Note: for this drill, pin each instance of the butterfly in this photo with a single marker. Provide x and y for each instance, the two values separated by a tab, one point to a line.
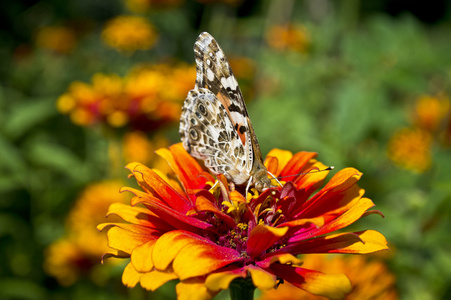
215	125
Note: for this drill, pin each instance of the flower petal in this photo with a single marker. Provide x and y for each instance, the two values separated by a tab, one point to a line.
262	237
154	184
261	278
334	286
185	167
155	279
297	164
283	258
362	242
126	237
221	280
130	277
138	215
282	157
141	259
193	289
190	254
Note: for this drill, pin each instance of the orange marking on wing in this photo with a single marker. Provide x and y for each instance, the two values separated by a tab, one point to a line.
226	102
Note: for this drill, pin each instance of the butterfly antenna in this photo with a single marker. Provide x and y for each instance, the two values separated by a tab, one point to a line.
275	178
313	171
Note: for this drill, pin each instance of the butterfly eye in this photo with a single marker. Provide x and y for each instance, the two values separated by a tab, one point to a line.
259	186
193	134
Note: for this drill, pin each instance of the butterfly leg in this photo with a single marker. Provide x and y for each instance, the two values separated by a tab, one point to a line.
214	185
248	186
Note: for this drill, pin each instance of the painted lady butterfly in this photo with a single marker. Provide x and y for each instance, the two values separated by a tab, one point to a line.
215	125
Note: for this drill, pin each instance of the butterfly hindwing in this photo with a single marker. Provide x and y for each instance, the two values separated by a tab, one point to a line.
208	134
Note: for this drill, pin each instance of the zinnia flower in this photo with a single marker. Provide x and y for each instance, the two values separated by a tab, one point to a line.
146	98
129	33
371	279
411	149
76	254
288	37
213	240
430	112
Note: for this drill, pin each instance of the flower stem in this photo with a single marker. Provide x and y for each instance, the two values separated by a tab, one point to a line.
242	289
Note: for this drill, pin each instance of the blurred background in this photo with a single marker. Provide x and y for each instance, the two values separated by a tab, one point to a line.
88	86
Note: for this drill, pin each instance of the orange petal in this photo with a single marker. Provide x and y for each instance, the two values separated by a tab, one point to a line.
126	237
141	259
193	289
261	278
185	166
347	218
190	254
155	279
138	215
362	242
297	164
130	277
221	280
343	180
282	156
157	186
334	286
262	237
200	258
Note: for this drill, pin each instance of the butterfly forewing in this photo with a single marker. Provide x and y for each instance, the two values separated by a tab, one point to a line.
215	125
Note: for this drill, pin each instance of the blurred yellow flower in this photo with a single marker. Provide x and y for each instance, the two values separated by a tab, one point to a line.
141	6
411	149
288	37
146	98
56	38
129	33
80	250
370	279
431	111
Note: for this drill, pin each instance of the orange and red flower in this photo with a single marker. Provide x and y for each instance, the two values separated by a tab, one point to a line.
178	229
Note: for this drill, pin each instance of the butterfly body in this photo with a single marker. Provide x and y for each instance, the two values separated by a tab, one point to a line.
215	126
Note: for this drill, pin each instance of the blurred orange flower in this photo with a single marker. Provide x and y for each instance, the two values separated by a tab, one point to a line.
207	239
411	149
288	37
430	112
78	253
145	99
370	279
56	38
129	33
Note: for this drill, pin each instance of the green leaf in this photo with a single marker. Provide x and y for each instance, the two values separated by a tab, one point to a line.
26	116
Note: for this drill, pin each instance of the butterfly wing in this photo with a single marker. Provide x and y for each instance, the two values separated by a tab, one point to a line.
227	123
214	73
207	133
